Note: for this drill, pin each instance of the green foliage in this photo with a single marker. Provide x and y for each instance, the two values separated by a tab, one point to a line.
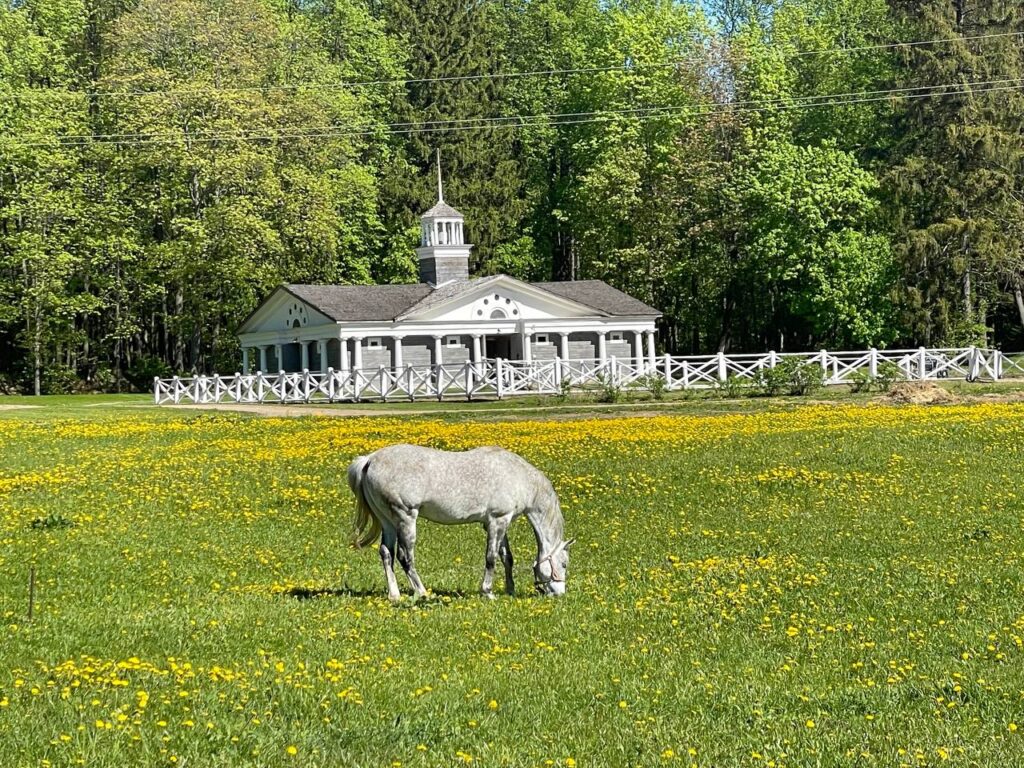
888	374
773	380
654	383
609	391
165	163
734	386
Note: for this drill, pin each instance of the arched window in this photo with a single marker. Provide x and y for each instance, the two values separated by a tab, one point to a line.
498	314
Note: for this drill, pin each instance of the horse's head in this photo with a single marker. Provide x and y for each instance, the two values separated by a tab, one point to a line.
551	571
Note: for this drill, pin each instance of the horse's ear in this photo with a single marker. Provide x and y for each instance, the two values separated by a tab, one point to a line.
568	544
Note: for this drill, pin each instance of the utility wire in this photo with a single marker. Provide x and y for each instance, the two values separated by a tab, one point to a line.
314	86
559	118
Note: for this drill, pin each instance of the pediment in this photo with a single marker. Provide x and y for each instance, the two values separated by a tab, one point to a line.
282	311
502	298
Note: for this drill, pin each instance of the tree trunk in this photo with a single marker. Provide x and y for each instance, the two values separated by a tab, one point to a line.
1019	297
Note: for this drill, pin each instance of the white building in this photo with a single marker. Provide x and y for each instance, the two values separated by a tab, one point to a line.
446	318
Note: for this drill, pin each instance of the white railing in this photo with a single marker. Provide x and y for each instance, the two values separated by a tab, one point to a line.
506	378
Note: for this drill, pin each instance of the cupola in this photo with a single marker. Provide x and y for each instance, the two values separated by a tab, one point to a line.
443	253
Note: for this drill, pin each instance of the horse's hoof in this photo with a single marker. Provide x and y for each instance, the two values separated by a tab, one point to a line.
488	595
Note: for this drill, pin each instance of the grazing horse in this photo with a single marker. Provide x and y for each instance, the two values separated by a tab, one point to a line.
491	486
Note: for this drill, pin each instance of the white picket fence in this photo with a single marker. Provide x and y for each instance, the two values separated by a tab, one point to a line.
506	378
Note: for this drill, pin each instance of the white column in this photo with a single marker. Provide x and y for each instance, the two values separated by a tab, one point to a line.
357	350
527	346
477	355
651	355
263	358
438	357
279	356
304	349
245	360
343	354
321	350
602	346
638	349
563	345
397	359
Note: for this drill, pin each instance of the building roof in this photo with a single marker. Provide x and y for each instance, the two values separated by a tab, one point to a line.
442	210
394	302
598	295
361	302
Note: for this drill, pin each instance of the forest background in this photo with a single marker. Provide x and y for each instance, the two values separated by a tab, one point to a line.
784	175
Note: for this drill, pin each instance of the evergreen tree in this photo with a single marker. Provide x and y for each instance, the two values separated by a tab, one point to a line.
460	42
958	159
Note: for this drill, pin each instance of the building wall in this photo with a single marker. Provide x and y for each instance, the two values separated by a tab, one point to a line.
418	350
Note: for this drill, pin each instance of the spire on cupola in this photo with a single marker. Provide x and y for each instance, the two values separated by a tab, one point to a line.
443	252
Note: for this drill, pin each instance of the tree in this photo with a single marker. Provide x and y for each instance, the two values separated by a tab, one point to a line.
955	171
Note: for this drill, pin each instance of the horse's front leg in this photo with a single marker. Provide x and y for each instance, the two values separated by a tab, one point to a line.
388	540
407	553
495	533
505	551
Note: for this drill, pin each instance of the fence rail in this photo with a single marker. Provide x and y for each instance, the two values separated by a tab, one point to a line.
506	378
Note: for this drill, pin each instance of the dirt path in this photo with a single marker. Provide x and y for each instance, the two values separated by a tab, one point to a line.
17	407
584	410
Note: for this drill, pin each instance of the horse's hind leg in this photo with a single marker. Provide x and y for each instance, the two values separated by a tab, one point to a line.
388	540
407	555
505	552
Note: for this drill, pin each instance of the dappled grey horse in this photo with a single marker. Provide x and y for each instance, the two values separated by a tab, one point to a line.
491	486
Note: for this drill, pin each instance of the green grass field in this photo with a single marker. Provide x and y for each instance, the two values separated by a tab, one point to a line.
834	585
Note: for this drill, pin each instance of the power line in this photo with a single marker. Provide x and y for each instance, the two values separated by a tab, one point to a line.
313	86
423	126
562	118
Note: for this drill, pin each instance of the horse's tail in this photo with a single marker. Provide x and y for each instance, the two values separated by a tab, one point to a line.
367	527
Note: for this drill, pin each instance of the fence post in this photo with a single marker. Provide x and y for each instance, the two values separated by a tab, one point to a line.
824	364
500	377
997	366
686	374
668	371
614	377
773	359
873	363
723	369
921	360
156	390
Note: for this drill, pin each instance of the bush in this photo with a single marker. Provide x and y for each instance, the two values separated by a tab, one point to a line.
58	380
792	376
610	391
887	375
734	386
655	384
804	378
772	381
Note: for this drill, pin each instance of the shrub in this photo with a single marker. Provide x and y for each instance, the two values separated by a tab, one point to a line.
772	381
610	391
58	380
734	386
804	378
887	374
655	384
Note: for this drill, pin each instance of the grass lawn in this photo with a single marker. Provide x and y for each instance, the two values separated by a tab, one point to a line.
838	584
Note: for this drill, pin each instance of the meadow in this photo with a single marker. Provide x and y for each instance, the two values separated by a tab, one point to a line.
831	585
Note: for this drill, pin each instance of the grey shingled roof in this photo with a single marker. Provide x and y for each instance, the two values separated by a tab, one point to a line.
394	302
598	295
361	302
442	210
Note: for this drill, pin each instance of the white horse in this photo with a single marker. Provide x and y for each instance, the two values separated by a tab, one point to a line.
490	486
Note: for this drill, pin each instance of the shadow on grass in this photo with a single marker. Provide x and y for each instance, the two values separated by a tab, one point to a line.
309	593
